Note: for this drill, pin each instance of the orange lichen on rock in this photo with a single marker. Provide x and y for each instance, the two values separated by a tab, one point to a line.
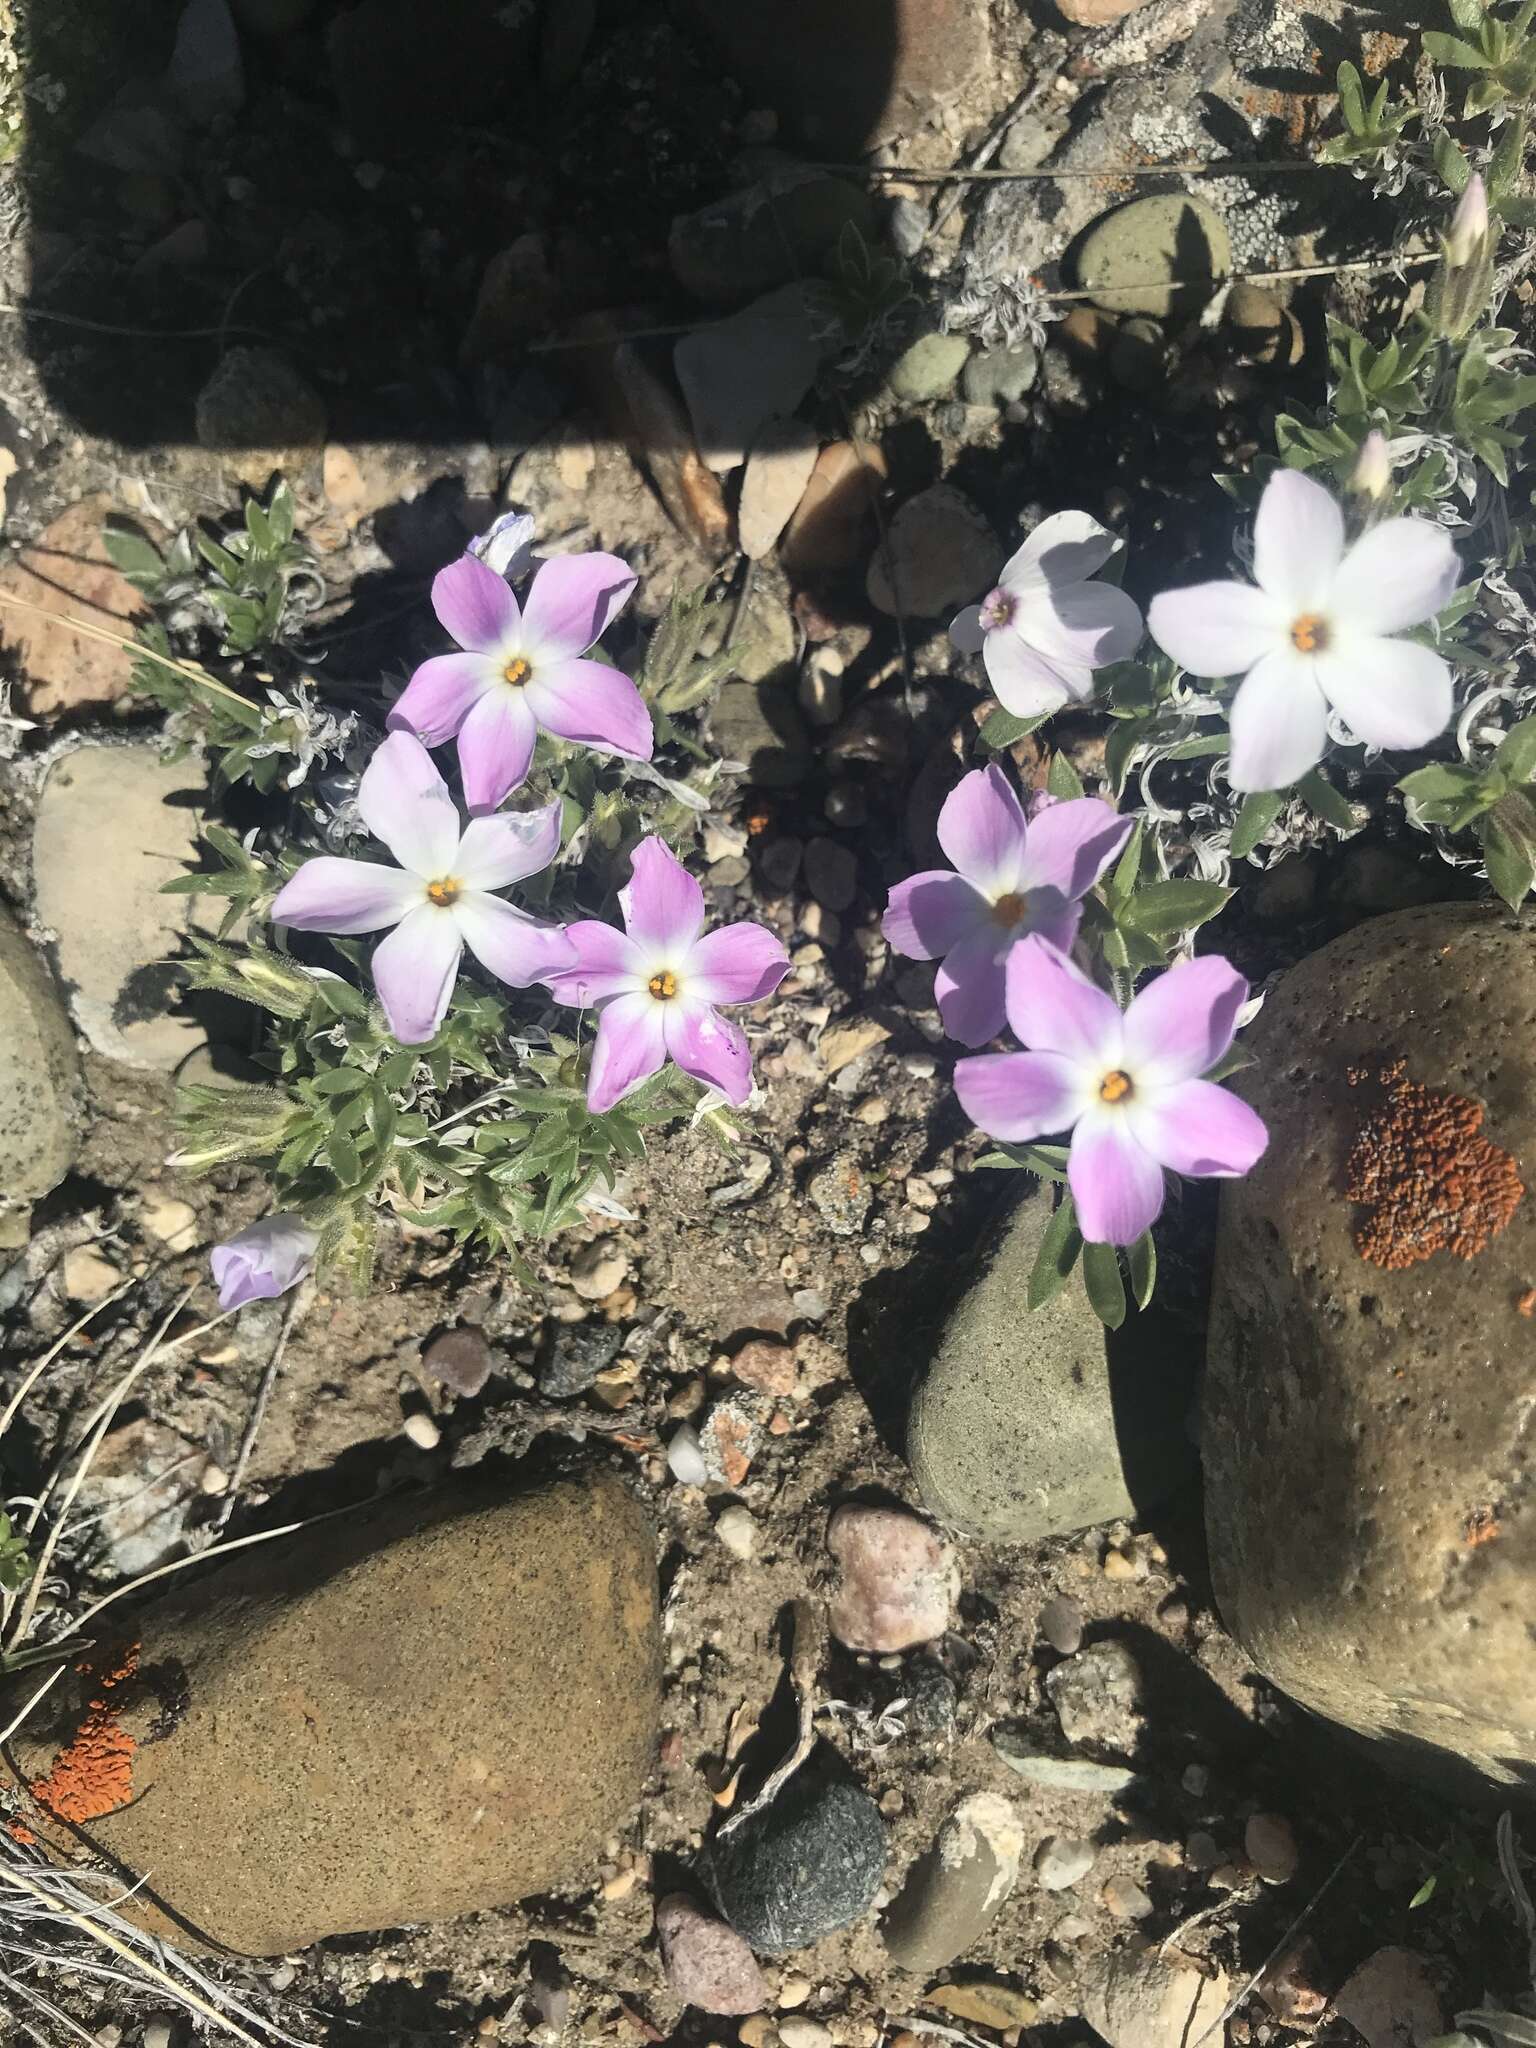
94	1775
1480	1527
1427	1177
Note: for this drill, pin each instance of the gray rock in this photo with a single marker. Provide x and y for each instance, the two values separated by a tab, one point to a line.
1133	1999
1061	1623
908	226
957	1888
1097	1697
738	373
1000	377
808	1863
928	367
137	1492
1138	356
841	1194
1161	256
769	234
759	724
206	76
573	1356
41	1092
1032	1423
831	873
707	1963
1062	1861
939	552
1060	1773
1390	1999
1365	1423
460	1360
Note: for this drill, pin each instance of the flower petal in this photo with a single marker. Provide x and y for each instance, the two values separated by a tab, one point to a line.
1020	1095
441	694
1024	682
608	964
709	1047
981	829
966	632
1071	844
1066	548
1179	1026
496	744
508	847
663	905
414	971
739	963
1298	541
1397	575
1216	629
1116	1184
329	894
572	602
1279	721
631	1045
1083	625
1390	693
1201	1130
1054	1007
930	913
592	704
516	948
264	1260
405	803
971	989
475	606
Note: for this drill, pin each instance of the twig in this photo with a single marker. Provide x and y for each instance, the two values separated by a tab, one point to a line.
113	327
996	135
258	1412
1280	1946
961	174
803	1662
11	1726
35	1374
187	670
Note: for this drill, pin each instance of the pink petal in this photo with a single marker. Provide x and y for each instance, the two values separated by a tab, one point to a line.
631	1046
981	829
1071	844
739	963
1390	693
1396	575
414	971
1085	625
441	694
1116	1184
971	989
592	704
1054	1007
966	632
1180	1025
1025	683
1066	548
496	744
930	913
516	948
608	964
573	601
1199	1129
1216	629
475	606
1020	1095
1279	721
1298	541
405	802
709	1047
508	847
345	896
663	905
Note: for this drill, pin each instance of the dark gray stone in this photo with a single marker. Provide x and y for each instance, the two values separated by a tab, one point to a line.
810	1862
573	1356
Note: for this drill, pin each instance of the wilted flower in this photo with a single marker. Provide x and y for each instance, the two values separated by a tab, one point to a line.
506	546
441	903
264	1261
658	983
1127	1084
1045	628
1316	632
1014	877
521	671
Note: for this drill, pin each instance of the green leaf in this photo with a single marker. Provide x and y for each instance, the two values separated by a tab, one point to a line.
1106	1289
1467	15
1442	782
339	1081
1057	1256
340	997
1461	56
1200	747
132	551
1165	909
1259	811
1508	833
1425	1892
1003	729
1351	103
1232	1061
1141	1258
1048	1162
1125	735
1516	756
1062	779
1128	867
342	1153
1319	794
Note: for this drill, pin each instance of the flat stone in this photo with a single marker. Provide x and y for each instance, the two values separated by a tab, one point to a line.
1390	1999
42	1094
827	532
808	1863
778	470
1061	1623
1097	1697
939	552
1000	376
771	233
898	1582
739	373
1161	256
1269	1843
957	1888
1133	1999
984	2002
1032	1423
598	1268
1061	1773
707	1963
574	1354
138	1490
68	571
928	367
1062	1861
767	1366
450	1703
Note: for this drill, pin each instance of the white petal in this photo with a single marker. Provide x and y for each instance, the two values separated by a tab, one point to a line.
507	847
1279	723
1081	625
1390	693
1397	575
1025	683
405	802
1066	548
1298	541
966	632
1217	629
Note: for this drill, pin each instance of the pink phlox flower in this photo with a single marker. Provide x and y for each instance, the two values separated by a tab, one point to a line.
1314	631
439	899
1127	1084
1045	628
264	1261
658	984
1014	875
520	671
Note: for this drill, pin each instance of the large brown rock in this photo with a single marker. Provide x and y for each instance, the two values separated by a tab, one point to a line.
1367	1426
416	1713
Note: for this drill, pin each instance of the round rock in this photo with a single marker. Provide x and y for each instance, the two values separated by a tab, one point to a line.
1000	377
939	552
810	1862
1162	256
707	1963
957	1888
1061	1861
928	367
41	1091
1097	1697
899	1579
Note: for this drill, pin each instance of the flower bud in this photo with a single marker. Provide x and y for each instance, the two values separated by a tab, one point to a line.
1371	476
1462	285
263	1262
1469	225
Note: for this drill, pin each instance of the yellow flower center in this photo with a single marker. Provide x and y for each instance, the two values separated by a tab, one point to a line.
1310	633
663	986
444	891
1116	1086
517	672
1010	909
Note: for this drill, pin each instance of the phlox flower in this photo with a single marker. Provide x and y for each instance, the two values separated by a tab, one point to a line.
1314	631
264	1261
439	899
1013	876
520	671
1126	1084
657	985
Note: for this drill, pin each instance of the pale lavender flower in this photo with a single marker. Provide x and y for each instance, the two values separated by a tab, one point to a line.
1315	633
1014	876
1045	628
439	899
264	1261
1127	1084
658	984
521	671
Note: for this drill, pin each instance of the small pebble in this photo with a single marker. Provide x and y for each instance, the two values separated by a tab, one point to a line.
1125	1898
214	1479
1201	1852
831	874
792	1992
798	2032
423	1431
459	1360
598	1268
1118	1566
756	2031
1196	1780
738	1532
686	1459
157	2034
1061	1623
283	1977
766	1365
1270	1846
1062	1861
899	1579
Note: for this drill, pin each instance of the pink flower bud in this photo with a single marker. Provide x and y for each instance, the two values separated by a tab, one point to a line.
263	1262
1469	225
